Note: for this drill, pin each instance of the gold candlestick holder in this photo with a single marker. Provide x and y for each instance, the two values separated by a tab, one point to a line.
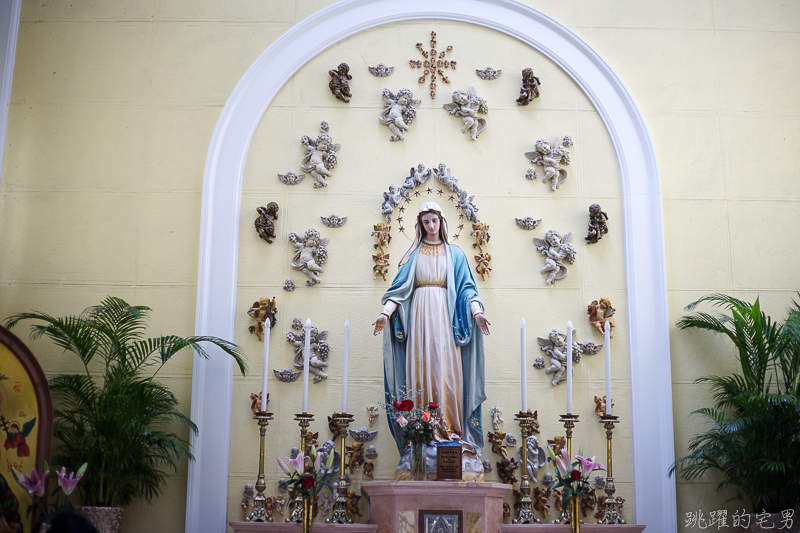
259	512
303	420
611	512
569	421
525	514
340	516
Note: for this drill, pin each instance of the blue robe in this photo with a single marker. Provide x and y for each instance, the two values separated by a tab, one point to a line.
461	292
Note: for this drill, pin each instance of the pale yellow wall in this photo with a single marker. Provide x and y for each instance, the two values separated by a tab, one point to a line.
112	109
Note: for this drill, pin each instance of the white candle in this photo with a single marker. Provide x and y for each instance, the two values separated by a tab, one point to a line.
267	325
569	367
346	357
524	364
607	335
306	355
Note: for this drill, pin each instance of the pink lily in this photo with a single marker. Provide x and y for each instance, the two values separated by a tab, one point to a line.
68	483
565	456
33	484
283	465
587	465
318	462
560	465
298	463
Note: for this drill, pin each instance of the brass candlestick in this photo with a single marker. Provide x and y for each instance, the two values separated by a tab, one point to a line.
259	512
525	514
611	513
340	516
303	420
569	421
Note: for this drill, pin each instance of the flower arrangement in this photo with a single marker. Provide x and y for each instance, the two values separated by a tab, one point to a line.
419	425
36	485
310	476
573	476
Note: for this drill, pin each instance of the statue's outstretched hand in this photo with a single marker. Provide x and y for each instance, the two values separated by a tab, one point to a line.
380	323
483	323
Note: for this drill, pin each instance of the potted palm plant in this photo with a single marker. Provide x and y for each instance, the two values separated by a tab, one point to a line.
115	416
753	437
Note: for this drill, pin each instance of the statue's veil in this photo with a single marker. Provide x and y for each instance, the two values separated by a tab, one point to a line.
419	231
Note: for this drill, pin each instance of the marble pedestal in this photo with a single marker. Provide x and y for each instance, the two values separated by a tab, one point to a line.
395	505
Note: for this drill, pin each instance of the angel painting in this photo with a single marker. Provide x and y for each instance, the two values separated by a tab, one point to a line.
15	437
399	112
555	345
320	158
557	250
310	254
318	354
550	155
467	105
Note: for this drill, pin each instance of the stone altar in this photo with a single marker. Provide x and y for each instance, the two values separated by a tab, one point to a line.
395	505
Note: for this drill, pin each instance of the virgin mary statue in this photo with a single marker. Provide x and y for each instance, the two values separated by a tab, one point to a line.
434	332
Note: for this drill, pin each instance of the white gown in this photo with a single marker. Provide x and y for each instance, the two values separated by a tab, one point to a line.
433	359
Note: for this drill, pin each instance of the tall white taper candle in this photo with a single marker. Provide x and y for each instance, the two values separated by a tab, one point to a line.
346	357
267	325
569	367
524	364
607	342
306	355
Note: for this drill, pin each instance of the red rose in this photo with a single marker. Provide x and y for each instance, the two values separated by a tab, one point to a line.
575	475
404	405
433	405
308	482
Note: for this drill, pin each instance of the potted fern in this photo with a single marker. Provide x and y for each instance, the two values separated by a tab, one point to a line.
115	416
753	437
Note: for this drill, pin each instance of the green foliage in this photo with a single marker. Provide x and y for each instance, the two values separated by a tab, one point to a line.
117	419
754	439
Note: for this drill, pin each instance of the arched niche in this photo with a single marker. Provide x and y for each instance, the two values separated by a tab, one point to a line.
651	389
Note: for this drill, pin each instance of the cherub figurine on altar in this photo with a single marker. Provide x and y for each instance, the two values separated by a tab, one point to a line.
550	155
467	105
433	326
600	311
557	250
497	440
505	469
399	112
320	157
310	254
353	501
537	458
540	504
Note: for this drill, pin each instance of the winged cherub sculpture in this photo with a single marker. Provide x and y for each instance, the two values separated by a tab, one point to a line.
320	157
557	250
310	254
550	155
318	353
467	105
399	112
555	345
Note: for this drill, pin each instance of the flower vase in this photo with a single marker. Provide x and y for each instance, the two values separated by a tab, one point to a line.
575	514
418	471
308	514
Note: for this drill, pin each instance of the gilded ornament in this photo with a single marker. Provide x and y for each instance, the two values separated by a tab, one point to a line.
433	62
540	501
497	440
600	406
600	312
261	310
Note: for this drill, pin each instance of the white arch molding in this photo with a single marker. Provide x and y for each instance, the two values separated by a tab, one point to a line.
651	388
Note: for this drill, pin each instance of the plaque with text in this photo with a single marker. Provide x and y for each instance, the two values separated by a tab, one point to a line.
448	463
